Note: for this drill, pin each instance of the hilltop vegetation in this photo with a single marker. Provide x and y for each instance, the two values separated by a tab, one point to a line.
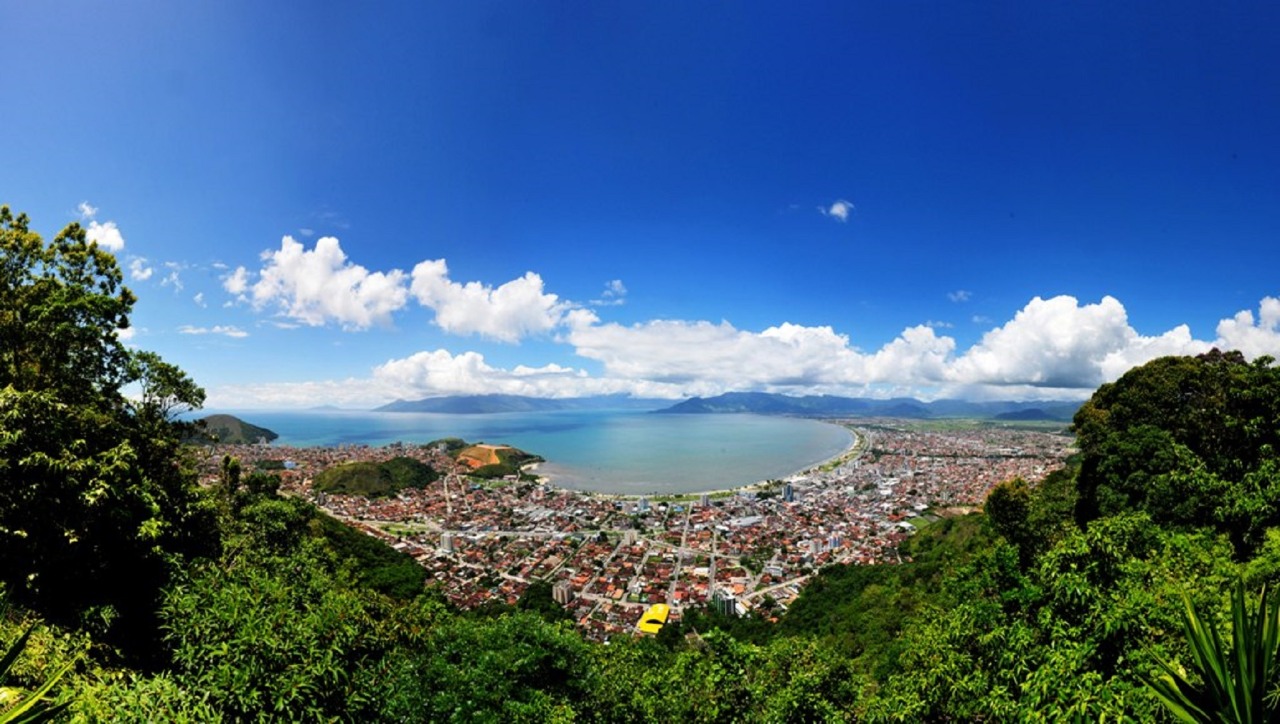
230	430
375	480
149	598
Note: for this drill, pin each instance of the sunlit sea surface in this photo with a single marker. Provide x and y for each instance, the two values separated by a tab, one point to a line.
621	452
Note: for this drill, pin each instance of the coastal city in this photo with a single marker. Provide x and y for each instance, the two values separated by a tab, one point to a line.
610	558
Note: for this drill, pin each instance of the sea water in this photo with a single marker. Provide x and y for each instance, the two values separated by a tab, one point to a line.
620	452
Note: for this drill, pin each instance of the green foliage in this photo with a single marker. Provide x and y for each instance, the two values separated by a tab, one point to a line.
537	599
751	628
229	430
514	668
377	565
1234	682
861	611
720	679
449	444
278	638
1008	507
1191	440
375	480
96	508
134	698
17	707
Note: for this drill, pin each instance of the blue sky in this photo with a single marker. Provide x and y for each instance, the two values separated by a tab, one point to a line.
324	203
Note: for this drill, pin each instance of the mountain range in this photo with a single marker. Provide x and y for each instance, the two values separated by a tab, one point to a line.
759	403
765	403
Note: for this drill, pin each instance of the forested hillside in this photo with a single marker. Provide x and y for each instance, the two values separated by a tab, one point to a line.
153	599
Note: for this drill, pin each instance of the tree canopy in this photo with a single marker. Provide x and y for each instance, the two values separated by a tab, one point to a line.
94	503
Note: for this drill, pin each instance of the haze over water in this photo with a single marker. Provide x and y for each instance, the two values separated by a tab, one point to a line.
627	452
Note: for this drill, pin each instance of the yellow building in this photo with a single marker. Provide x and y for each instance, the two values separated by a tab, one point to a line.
653	620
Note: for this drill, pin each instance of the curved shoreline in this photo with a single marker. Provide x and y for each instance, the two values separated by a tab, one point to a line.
758	485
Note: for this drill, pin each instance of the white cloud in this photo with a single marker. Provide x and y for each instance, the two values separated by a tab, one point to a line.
680	352
138	269
516	309
320	286
1053	348
126	334
226	330
960	295
1059	343
838	210
615	294
1263	338
1054	343
199	299
106	235
237	282
172	279
1140	350
430	374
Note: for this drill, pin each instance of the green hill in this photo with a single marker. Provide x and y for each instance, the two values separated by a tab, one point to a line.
375	480
231	430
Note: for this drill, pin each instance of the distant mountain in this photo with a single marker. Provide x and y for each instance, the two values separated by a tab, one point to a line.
231	430
764	403
486	404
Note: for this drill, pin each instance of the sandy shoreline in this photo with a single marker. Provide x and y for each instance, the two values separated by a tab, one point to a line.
757	486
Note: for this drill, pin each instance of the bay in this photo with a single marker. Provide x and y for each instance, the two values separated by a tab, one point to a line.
617	452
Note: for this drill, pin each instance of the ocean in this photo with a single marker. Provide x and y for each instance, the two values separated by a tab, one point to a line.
619	452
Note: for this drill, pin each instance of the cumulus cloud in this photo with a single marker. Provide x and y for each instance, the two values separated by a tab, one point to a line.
138	269
1051	348
681	352
1056	348
1059	343
508	313
106	235
237	282
321	285
1253	338
960	295
838	210
225	330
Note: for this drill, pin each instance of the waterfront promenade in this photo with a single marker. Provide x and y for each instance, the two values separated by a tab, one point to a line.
609	558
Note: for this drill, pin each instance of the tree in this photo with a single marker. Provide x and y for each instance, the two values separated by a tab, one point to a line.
94	507
1190	440
1008	507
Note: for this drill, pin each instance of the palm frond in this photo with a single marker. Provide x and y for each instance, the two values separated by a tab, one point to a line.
1236	680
